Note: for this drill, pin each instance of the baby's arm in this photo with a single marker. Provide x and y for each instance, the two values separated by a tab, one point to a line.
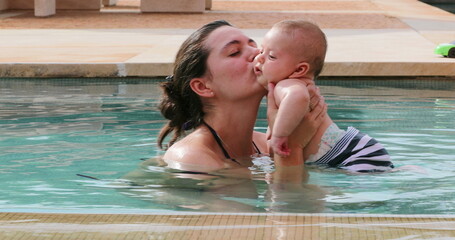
293	99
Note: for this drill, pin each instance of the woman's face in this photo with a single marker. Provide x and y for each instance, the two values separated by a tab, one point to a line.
230	63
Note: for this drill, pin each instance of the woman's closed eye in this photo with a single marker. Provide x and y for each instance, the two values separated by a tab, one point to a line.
234	53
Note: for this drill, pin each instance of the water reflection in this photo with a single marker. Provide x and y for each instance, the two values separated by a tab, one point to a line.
227	190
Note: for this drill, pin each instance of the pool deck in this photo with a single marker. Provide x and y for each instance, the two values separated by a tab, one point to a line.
221	226
374	38
366	38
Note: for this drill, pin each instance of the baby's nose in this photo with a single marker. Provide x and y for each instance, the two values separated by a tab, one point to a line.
259	58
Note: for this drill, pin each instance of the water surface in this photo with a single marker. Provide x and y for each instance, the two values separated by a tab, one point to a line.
52	130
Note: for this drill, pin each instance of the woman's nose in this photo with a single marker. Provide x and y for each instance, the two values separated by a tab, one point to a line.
255	52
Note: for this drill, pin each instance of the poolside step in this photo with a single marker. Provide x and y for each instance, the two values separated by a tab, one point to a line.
109	2
195	6
44	8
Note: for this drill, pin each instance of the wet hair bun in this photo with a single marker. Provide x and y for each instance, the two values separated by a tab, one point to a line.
169	105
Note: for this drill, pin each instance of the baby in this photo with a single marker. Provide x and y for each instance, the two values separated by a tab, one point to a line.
292	57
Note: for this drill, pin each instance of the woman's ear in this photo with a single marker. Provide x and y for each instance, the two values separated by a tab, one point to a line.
199	86
301	71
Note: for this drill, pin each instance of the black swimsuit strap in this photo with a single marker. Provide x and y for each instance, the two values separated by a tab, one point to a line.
256	147
220	143
218	140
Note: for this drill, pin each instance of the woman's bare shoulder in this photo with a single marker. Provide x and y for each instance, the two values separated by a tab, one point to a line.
191	154
260	139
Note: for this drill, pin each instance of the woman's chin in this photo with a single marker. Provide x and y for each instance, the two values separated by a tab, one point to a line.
263	84
262	89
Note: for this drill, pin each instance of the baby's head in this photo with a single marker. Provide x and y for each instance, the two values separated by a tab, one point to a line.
309	41
291	49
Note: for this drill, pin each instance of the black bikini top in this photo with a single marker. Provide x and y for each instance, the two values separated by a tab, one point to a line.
220	143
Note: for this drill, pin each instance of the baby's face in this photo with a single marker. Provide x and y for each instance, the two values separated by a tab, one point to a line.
276	61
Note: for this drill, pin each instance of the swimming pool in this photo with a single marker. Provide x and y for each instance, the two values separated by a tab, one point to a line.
53	129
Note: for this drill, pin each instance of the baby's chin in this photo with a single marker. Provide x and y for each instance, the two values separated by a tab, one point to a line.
263	83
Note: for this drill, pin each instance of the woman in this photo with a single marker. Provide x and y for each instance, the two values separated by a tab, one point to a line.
214	92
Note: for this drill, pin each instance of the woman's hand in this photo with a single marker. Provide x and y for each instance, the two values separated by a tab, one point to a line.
312	120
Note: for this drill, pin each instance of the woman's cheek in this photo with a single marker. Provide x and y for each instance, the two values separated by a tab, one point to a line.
239	70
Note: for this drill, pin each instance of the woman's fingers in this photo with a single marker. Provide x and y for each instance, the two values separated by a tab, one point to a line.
315	96
319	109
322	114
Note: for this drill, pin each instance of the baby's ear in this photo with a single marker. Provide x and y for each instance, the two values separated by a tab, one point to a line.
199	86
301	70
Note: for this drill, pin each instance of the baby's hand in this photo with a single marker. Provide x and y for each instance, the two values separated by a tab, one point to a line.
280	146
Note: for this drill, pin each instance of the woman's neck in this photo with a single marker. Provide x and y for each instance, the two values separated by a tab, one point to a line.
234	125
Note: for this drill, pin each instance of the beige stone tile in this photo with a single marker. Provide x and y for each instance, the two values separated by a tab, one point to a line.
60	4
173	6
438	37
430	24
386	45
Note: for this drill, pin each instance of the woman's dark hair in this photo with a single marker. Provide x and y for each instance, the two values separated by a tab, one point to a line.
179	103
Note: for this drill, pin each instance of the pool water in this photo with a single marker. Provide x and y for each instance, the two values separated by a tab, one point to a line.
51	130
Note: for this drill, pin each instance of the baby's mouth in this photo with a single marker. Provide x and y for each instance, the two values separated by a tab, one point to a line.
257	70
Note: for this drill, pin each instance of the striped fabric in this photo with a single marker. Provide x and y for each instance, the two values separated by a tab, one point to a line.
357	152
